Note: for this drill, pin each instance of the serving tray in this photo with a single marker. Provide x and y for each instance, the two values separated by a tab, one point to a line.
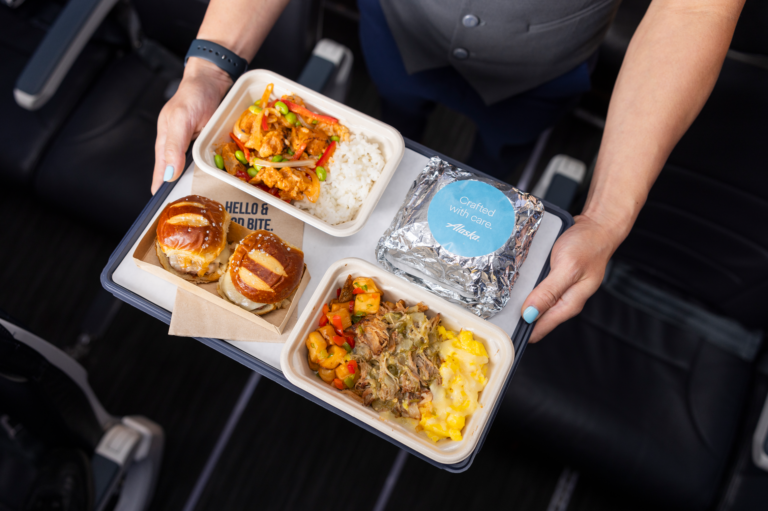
120	277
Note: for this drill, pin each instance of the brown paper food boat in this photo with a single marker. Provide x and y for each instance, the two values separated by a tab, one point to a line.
145	258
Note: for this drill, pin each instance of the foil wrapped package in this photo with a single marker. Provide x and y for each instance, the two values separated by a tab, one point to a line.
462	236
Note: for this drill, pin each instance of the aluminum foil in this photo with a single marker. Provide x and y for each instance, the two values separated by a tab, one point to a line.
478	281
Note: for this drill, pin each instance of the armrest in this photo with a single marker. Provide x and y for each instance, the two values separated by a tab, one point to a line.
328	69
127	460
58	50
561	180
760	440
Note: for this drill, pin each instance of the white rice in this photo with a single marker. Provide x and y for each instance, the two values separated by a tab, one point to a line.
354	168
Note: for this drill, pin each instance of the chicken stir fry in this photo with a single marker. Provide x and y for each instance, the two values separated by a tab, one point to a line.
282	147
391	357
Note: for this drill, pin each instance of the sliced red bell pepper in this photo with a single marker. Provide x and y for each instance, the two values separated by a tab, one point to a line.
352	366
298	109
357	291
325	308
338	292
323	320
326	155
298	154
264	123
239	174
338	340
350	340
241	146
338	384
272	191
336	322
352	306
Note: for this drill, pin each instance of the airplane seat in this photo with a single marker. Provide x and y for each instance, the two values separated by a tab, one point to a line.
27	134
104	154
59	448
648	388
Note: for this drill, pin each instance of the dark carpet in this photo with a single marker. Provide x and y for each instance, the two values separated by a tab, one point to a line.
288	454
49	267
503	476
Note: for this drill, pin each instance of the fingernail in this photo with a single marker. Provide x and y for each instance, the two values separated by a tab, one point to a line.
530	314
168	173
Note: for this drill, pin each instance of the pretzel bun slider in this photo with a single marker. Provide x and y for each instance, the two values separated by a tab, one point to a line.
263	273
192	239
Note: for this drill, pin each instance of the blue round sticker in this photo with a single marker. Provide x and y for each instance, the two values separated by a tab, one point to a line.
471	218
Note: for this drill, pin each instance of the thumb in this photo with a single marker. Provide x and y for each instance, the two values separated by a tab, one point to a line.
547	293
178	137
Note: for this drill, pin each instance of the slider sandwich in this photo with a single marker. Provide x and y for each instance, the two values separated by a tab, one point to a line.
192	239
263	273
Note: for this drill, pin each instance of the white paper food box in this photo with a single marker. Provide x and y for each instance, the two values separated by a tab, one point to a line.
501	353
249	88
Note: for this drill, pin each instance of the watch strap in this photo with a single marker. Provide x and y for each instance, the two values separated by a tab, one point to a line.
225	59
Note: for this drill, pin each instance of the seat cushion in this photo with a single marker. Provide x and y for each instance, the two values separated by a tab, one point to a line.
702	229
727	140
26	135
635	400
100	165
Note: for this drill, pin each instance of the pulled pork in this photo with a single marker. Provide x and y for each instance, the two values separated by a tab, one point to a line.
397	353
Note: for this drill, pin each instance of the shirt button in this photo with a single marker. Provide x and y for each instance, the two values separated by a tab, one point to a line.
470	20
460	53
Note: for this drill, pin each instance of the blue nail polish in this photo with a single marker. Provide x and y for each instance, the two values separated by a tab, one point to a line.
168	173
530	314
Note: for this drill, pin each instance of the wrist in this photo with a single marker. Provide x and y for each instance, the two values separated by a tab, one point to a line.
614	209
615	199
197	69
616	223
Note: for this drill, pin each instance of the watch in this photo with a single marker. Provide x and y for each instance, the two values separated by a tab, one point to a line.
227	60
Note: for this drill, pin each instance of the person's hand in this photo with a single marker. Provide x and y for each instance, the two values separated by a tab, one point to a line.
184	116
578	264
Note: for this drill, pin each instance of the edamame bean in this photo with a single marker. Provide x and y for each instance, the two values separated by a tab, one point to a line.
314	121
241	157
278	158
282	107
291	151
335	138
219	161
321	173
252	171
254	109
291	117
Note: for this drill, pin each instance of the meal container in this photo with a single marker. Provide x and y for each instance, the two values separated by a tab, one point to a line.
145	258
501	354
249	88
